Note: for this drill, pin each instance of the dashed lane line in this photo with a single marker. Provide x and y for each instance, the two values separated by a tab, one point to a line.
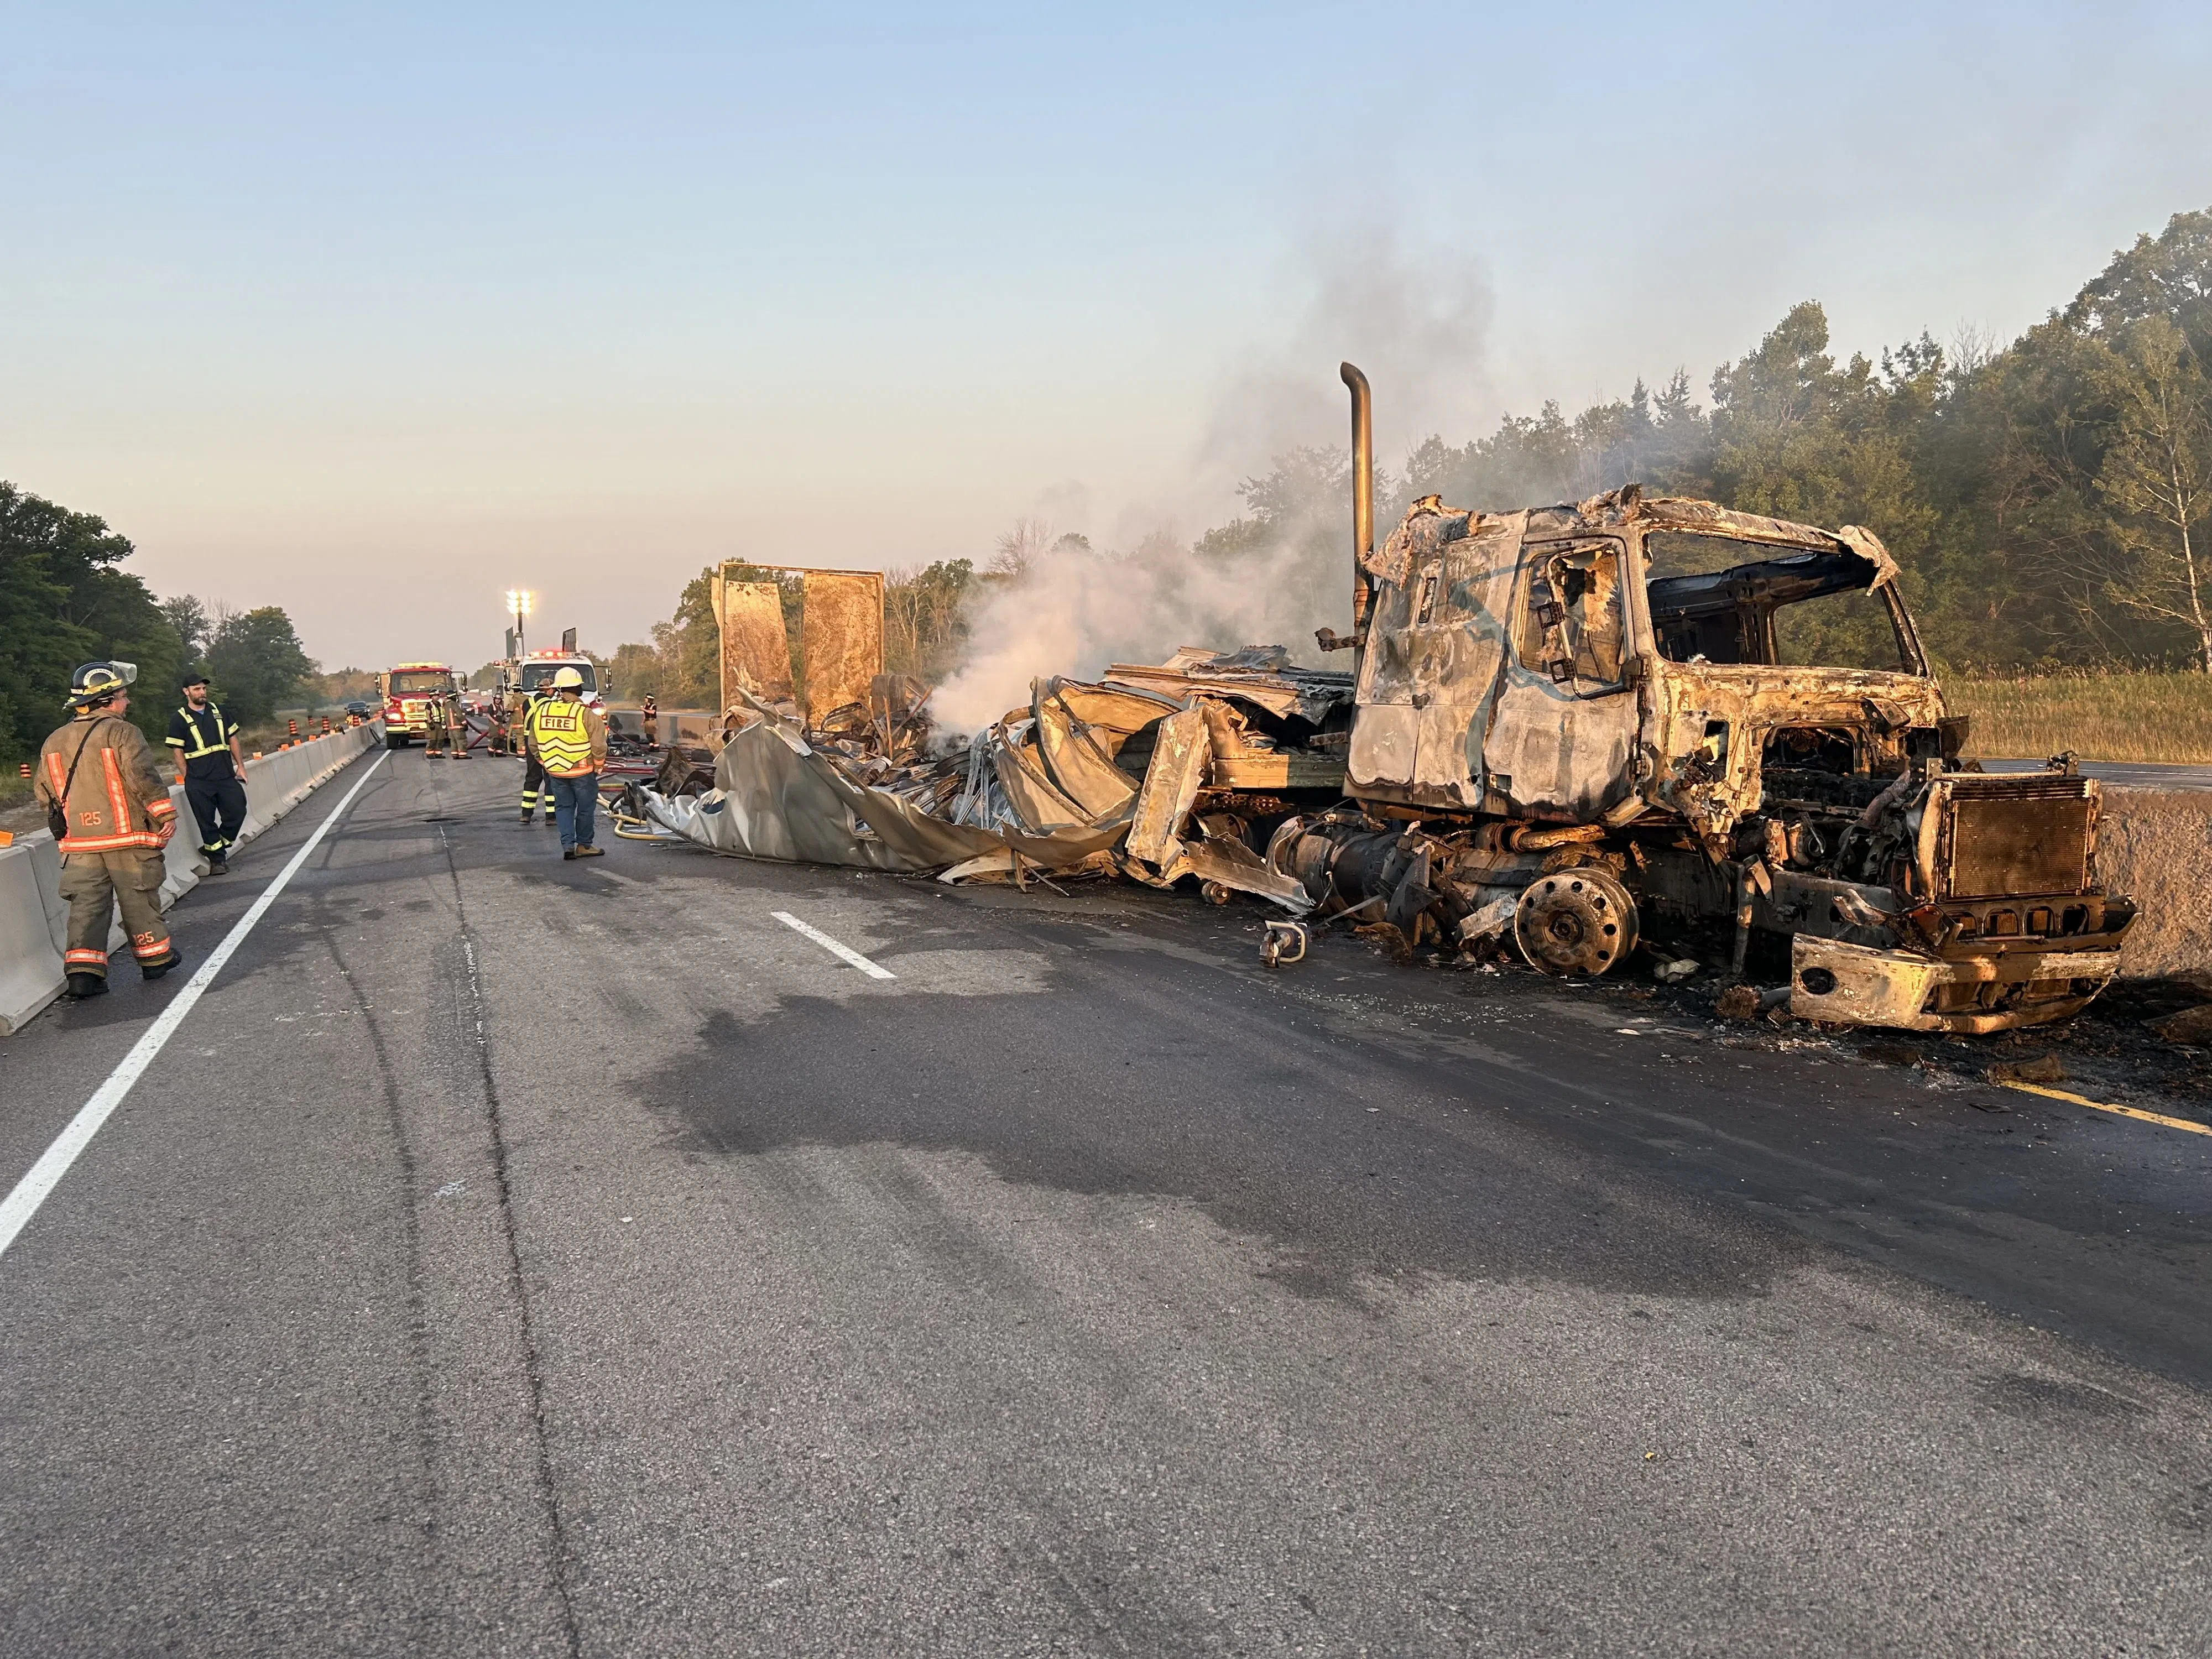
21	1204
843	952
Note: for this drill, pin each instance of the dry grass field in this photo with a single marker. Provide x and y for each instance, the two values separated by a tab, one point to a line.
2100	716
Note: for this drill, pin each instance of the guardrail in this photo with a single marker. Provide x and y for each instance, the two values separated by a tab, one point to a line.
34	922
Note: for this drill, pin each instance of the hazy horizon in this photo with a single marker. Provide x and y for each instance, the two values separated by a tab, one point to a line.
580	301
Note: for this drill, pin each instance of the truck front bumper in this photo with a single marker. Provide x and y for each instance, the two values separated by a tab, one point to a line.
1855	985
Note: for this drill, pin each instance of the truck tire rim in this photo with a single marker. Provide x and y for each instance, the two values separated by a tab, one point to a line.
1577	923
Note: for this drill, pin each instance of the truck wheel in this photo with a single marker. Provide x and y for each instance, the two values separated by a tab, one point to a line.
1575	922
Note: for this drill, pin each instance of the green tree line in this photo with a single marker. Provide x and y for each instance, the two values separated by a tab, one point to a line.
65	599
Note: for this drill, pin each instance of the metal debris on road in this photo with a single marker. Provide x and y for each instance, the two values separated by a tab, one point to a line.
1154	772
1285	942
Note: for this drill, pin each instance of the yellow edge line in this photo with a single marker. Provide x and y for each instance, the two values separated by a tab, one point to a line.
2122	1111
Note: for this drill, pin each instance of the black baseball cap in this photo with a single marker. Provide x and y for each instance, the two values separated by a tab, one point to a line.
192	680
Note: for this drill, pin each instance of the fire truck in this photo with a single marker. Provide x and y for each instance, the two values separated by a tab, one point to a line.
406	691
532	677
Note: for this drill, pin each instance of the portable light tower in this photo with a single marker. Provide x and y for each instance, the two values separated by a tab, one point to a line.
517	602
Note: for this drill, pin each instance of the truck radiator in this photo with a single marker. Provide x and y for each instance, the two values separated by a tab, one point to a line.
2003	835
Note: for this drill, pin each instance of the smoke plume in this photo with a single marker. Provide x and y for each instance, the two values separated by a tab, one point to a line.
1073	611
1416	323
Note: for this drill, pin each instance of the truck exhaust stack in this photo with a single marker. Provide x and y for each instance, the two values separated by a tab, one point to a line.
1362	493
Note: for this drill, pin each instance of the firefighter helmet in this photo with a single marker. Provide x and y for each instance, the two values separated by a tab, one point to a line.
567	679
94	683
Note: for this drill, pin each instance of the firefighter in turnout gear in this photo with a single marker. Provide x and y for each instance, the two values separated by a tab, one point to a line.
112	814
457	727
212	768
438	726
649	716
570	739
534	785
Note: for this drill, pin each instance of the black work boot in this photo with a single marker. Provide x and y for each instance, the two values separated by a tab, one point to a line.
81	986
218	866
156	970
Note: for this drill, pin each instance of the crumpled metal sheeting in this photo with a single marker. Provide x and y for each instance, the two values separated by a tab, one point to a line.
1259	674
1230	863
1048	791
1867	546
1003	787
1037	802
778	797
1421	536
1084	771
1171	789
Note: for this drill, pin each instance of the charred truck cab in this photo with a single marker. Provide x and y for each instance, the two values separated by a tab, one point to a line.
1577	720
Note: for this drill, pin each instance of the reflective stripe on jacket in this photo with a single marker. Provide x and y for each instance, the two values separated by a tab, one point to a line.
118	800
198	724
569	737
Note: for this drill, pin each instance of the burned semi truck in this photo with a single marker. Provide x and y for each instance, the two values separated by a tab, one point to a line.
1581	723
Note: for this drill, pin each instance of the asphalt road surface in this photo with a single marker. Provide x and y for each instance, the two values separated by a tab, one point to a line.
508	1255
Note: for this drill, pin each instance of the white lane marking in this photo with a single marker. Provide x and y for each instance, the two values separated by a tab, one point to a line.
53	1164
843	952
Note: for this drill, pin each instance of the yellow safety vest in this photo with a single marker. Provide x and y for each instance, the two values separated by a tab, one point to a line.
564	738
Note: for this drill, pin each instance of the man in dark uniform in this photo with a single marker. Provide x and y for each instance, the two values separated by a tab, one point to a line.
212	768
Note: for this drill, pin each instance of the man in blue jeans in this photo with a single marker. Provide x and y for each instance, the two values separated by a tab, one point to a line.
569	737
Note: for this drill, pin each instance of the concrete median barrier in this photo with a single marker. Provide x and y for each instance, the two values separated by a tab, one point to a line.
31	929
276	783
34	920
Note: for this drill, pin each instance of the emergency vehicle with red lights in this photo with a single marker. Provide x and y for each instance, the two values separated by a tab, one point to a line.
406	690
532	675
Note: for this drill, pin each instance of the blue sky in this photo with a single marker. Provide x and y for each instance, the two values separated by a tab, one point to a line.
581	298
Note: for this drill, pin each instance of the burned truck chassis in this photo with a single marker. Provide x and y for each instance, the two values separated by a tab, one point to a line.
1822	804
1581	907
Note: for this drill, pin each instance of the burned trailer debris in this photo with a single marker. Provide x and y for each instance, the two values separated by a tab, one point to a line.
1156	771
1575	724
1153	772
